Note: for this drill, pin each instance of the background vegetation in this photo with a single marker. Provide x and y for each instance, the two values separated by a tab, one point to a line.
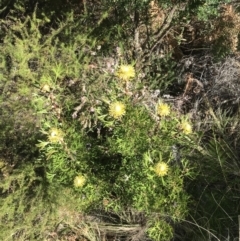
119	120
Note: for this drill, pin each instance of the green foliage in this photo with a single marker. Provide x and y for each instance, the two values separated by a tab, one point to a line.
209	9
216	186
25	204
156	232
62	146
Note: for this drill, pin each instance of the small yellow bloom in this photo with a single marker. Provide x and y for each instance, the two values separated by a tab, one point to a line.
105	202
161	169
45	88
79	181
186	128
55	135
125	72
117	110
163	109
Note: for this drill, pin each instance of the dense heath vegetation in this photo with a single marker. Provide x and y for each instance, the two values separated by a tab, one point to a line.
119	120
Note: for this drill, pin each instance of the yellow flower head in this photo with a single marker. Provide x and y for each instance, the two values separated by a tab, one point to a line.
105	202
161	169
79	181
186	127
117	110
163	109
55	135
45	88
125	72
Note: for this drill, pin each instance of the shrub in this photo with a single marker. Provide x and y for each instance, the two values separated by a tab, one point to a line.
84	123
